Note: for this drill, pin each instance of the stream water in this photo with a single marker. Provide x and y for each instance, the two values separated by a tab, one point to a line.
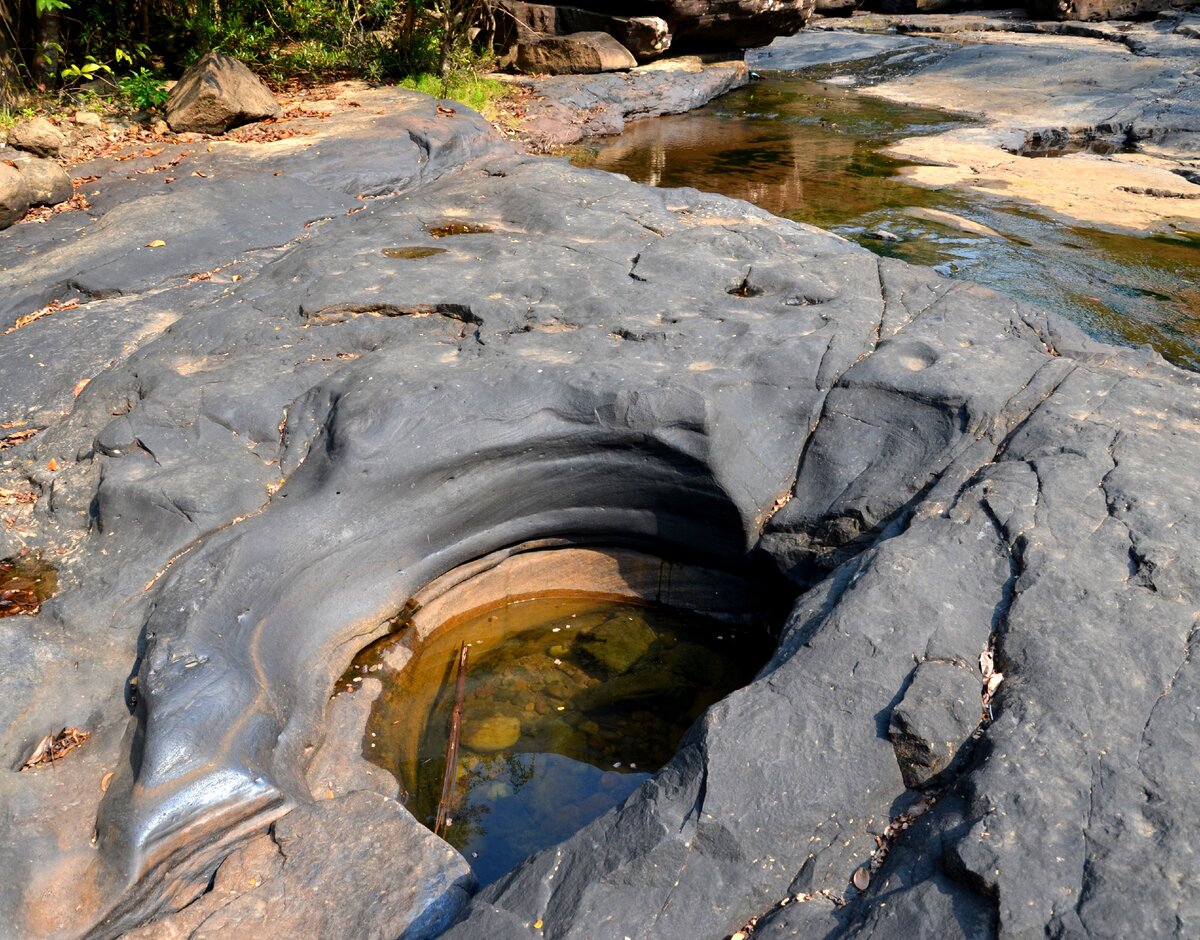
571	703
810	151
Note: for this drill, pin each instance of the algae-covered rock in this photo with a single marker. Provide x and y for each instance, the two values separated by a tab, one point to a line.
494	733
617	644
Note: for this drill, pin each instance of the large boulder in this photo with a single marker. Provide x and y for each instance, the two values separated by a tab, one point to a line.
14	195
218	93
644	36
578	53
697	25
1093	10
48	182
37	136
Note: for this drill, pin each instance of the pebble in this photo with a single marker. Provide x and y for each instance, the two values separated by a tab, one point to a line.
883	235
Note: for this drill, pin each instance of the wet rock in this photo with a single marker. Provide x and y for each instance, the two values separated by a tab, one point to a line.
578	53
37	136
883	235
14	196
218	93
951	221
933	721
48	182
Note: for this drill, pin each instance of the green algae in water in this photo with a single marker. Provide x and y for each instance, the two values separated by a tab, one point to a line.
812	152
572	703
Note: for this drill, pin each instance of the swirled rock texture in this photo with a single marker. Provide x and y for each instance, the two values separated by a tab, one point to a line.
258	472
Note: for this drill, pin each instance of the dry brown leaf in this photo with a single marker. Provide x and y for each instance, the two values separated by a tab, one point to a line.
157	243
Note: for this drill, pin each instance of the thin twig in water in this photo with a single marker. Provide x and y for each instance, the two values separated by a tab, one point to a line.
448	778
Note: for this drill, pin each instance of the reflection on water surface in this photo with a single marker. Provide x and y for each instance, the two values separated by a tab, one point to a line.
810	151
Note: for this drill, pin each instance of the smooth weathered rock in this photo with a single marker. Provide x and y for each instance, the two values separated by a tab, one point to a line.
14	195
330	870
259	473
48	182
934	721
216	94
575	54
37	136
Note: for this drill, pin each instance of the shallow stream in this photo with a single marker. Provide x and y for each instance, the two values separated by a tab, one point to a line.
810	151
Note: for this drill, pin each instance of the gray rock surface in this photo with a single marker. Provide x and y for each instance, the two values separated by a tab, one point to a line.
574	54
14	195
48	182
37	136
218	93
934	721
259	472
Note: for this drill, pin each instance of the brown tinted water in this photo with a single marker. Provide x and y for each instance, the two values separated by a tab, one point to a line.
572	702
810	151
25	583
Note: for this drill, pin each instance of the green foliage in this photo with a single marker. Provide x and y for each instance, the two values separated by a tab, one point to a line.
89	68
468	87
142	90
71	43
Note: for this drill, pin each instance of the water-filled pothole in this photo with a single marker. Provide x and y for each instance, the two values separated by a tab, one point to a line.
25	583
570	702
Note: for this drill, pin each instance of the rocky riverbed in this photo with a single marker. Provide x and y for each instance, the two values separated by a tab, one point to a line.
251	411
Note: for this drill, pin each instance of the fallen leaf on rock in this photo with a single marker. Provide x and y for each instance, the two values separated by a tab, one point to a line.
16	437
105	781
446	111
157	243
55	747
200	174
17	497
79	387
862	878
52	465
